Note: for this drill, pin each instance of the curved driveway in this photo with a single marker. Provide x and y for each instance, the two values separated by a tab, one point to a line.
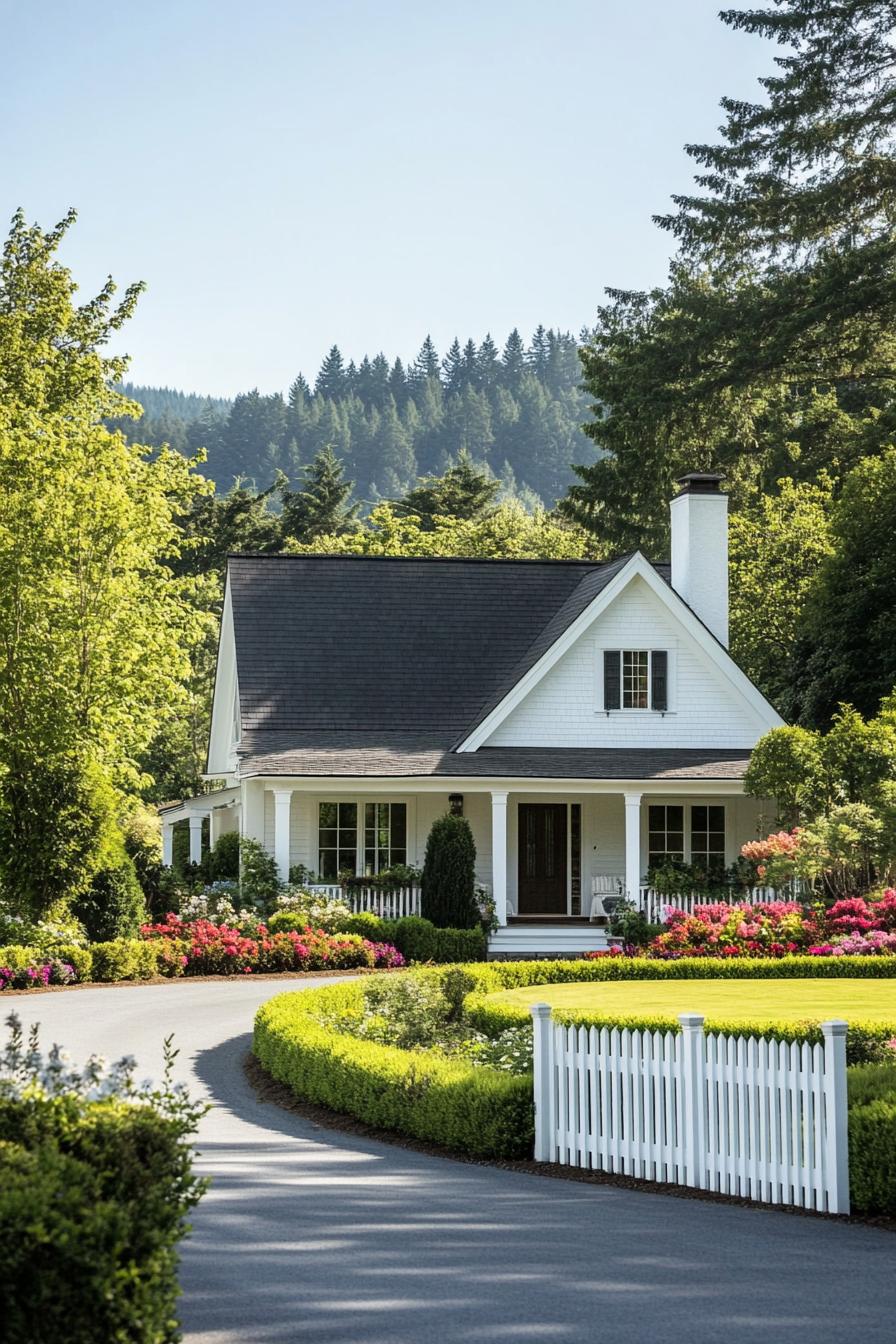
309	1234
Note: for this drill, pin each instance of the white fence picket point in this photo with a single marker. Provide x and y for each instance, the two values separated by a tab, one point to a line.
836	1115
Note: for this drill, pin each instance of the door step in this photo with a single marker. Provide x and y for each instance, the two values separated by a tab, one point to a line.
522	942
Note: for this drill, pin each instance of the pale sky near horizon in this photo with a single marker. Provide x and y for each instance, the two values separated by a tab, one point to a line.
289	175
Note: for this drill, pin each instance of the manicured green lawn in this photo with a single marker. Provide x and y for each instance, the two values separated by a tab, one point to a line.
730	1000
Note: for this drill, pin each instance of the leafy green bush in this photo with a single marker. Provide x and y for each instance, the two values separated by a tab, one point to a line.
422	1093
872	1156
93	1199
79	958
448	885
125	959
113	906
369	926
222	862
418	939
259	877
18	956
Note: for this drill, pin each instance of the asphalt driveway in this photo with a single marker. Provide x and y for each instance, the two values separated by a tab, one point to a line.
309	1234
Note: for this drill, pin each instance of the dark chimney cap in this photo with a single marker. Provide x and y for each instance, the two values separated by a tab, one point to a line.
700	483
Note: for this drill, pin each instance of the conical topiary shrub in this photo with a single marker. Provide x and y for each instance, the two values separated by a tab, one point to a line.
449	875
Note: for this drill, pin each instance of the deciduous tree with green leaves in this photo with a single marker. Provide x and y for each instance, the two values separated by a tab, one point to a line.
95	628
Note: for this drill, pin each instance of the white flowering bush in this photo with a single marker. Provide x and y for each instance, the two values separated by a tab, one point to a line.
310	908
510	1050
57	929
219	903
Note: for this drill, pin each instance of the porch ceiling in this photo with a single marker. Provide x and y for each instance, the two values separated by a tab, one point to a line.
408	755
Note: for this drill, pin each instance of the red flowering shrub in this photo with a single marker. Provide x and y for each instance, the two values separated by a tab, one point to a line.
199	947
770	929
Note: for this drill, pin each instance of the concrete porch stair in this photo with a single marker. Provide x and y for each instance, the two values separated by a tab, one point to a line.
533	938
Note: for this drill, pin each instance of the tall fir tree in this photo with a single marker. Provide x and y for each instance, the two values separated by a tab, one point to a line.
321	505
330	381
464	491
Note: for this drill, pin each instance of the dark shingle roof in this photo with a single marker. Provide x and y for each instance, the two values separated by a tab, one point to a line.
362	643
408	755
354	665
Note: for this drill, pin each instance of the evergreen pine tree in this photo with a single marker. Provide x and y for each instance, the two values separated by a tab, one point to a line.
320	507
452	367
513	359
488	365
398	384
470	365
330	381
426	365
464	491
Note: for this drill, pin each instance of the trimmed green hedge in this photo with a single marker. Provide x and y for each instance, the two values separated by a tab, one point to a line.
422	1093
125	959
93	1198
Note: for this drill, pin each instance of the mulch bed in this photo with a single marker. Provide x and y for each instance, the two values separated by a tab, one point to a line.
268	1090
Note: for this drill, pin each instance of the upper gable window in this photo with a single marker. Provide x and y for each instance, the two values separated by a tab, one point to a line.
636	679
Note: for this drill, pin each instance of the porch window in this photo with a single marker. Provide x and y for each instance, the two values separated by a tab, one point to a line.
337	839
708	839
665	836
385	836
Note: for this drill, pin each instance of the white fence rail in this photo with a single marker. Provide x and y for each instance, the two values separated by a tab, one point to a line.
388	904
742	1116
654	904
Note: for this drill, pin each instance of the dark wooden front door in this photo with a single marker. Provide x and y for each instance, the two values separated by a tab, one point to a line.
542	859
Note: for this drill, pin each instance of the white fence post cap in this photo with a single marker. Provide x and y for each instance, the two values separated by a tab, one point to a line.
540	1009
692	1020
836	1027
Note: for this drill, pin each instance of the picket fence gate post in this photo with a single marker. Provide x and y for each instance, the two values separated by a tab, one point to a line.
542	1029
836	1107
693	1085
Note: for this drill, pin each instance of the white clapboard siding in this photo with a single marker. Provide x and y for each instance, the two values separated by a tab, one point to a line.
737	1115
655	904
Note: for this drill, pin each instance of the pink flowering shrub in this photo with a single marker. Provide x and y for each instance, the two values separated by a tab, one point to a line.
770	929
37	976
778	929
200	947
775	857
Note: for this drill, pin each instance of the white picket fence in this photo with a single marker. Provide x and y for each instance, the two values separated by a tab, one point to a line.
654	904
744	1116
388	904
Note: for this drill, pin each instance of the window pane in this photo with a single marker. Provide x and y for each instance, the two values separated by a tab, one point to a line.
328	814
698	818
370	814
397	856
716	842
328	839
327	865
399	825
656	818
348	814
716	818
347	859
675	818
369	862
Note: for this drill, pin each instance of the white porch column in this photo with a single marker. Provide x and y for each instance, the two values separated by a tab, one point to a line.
214	826
167	843
196	837
282	803
633	847
499	855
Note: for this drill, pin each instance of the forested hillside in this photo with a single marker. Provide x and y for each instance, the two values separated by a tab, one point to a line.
518	410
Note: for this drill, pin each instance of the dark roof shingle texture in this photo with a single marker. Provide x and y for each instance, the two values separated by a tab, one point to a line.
360	666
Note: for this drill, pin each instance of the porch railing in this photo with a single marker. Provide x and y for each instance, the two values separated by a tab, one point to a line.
387	903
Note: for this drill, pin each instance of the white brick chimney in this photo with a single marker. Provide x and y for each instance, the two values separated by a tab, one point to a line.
700	549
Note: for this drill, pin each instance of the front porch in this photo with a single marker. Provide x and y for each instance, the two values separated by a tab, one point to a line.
542	849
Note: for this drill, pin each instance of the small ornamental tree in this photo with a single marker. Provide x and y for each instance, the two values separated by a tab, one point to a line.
449	875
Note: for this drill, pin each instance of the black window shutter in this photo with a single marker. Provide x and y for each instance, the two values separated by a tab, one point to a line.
659	679
612	684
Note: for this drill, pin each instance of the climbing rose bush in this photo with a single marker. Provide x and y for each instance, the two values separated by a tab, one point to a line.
205	948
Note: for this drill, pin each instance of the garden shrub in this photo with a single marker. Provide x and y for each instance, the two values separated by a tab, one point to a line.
259	876
113	906
125	959
93	1200
222	862
422	1093
872	1156
448	884
369	926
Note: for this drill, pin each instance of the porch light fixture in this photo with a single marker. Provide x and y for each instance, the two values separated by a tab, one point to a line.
456	804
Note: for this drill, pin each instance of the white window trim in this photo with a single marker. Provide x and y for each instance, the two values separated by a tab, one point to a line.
359	802
687	804
664	645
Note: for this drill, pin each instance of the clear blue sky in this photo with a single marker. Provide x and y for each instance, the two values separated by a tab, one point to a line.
288	173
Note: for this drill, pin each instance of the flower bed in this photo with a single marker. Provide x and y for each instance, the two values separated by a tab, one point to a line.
851	927
205	948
